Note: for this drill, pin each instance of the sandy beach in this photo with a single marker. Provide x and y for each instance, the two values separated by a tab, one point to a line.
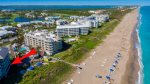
103	56
132	67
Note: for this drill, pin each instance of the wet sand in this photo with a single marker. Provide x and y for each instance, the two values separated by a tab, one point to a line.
132	67
103	56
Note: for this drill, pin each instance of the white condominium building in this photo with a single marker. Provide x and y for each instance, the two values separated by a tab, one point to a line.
61	22
92	21
73	29
23	24
52	18
48	41
102	17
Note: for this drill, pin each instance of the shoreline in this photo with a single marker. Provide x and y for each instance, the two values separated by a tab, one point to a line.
134	68
131	75
100	60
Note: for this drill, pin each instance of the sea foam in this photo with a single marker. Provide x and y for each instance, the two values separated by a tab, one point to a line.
138	46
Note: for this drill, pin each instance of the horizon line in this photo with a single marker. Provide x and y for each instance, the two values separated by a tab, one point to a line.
71	5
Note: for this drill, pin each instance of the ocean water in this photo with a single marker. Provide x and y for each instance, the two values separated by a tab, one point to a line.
47	7
144	35
23	19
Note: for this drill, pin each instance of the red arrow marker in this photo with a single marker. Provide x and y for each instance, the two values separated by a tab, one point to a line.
19	60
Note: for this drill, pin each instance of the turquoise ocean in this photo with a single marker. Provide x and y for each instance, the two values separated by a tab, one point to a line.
144	39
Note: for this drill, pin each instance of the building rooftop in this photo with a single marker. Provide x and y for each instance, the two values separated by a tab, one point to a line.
3	52
36	22
5	27
4	32
74	25
43	35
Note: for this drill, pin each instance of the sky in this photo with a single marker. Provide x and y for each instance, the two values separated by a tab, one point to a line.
74	2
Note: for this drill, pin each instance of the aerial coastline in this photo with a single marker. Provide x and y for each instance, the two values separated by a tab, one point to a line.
102	60
74	41
133	65
96	50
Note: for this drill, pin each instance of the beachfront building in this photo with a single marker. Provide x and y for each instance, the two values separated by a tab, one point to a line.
44	14
73	29
8	10
24	24
47	41
7	27
61	22
91	20
101	18
96	11
44	23
95	20
4	62
49	18
30	15
75	18
5	31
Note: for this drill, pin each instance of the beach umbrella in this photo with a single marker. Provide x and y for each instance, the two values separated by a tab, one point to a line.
111	69
98	76
116	61
119	54
30	68
114	65
116	58
108	77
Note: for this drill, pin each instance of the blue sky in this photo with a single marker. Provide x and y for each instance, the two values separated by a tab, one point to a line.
74	2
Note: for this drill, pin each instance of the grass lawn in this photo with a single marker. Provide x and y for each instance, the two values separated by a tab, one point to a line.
53	73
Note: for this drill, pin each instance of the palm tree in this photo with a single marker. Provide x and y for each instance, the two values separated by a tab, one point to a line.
38	49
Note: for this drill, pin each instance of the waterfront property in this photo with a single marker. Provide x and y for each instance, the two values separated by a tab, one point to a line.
72	54
96	11
73	29
74	17
95	20
7	31
101	18
6	27
48	41
25	24
49	18
4	62
91	20
8	10
30	15
61	22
